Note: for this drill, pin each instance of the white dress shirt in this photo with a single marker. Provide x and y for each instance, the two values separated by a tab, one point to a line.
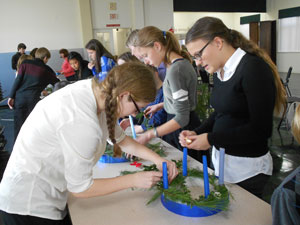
55	152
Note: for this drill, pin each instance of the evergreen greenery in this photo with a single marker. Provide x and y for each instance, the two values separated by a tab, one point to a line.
157	148
203	108
179	192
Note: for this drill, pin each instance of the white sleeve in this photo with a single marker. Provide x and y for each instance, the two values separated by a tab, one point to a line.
79	143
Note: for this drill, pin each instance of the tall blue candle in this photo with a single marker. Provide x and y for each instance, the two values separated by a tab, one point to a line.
165	175
184	162
221	166
205	175
132	127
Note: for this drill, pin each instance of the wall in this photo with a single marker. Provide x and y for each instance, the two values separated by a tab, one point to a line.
131	14
101	13
53	24
159	13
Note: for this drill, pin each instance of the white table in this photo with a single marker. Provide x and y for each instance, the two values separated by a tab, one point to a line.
129	206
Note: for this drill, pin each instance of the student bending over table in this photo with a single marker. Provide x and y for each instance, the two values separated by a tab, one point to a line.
63	138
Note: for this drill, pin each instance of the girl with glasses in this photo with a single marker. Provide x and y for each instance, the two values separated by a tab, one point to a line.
64	137
247	90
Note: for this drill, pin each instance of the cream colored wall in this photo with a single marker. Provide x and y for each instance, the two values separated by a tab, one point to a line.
53	24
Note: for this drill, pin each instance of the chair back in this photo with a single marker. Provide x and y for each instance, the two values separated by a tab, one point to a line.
288	75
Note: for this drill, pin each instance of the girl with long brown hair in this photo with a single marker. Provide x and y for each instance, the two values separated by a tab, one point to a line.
56	155
247	90
102	61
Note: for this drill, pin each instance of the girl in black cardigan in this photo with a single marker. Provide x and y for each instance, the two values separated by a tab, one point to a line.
247	89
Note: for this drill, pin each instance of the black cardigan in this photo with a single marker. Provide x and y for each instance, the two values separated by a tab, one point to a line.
243	117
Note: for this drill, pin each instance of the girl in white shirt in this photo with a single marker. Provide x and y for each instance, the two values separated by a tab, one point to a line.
63	138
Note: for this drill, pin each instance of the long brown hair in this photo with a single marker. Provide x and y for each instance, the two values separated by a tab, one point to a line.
209	27
96	45
296	124
148	35
133	77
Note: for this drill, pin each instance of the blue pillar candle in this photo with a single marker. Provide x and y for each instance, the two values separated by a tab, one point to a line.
221	166
184	162
205	176
132	127
165	175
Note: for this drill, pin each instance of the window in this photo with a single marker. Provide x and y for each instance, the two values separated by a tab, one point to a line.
289	34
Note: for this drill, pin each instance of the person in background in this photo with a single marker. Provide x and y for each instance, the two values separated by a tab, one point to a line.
159	117
285	201
247	90
102	61
126	57
80	66
33	76
32	52
179	87
66	68
55	156
21	59
15	58
130	43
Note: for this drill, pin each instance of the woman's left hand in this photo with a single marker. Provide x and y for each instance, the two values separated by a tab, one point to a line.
124	124
145	137
172	169
199	142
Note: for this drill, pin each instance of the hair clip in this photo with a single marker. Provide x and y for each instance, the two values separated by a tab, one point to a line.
164	34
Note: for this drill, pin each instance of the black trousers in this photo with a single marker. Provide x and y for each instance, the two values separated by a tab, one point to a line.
256	184
15	219
21	112
173	139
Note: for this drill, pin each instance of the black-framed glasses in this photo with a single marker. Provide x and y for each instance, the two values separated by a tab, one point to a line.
198	55
136	106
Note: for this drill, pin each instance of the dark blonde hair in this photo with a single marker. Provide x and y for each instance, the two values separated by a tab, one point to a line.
128	57
132	38
296	124
148	35
41	53
133	77
208	28
22	58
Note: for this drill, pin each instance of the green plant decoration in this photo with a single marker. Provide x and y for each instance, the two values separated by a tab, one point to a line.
203	108
179	192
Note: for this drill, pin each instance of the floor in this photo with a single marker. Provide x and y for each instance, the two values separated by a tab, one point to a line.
284	149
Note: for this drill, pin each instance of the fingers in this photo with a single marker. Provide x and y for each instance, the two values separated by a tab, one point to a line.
128	156
124	124
172	171
148	179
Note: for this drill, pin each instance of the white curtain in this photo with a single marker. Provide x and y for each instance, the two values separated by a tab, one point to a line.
289	34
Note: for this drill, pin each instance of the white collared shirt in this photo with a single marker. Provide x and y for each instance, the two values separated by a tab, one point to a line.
55	152
237	169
